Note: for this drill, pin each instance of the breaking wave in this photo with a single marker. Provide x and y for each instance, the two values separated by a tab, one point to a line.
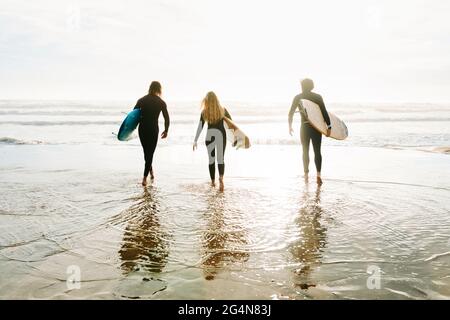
13	141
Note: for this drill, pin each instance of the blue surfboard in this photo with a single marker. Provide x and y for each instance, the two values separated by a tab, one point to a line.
129	125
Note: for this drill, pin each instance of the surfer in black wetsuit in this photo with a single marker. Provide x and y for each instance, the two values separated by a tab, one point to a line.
307	132
216	137
151	106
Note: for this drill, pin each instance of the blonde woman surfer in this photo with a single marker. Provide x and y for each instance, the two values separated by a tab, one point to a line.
216	139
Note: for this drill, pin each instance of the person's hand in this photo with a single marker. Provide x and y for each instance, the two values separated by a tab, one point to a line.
291	131
194	146
164	135
328	132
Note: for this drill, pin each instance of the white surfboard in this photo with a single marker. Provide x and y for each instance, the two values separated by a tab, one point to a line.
235	135
312	112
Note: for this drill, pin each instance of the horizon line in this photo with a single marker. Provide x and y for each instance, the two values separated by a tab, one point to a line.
174	101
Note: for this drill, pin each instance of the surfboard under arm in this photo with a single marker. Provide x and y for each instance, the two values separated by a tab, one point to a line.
314	115
236	136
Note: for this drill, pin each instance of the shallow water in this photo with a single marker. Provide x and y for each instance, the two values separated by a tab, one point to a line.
379	227
264	237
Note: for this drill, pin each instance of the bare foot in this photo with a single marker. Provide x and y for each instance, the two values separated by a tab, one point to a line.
221	185
319	181
213	183
152	176
306	178
144	182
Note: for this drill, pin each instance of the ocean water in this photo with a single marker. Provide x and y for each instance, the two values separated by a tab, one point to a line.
71	204
419	126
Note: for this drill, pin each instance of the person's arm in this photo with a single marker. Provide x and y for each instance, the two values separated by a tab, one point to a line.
325	115
201	123
166	118
294	106
166	121
227	114
324	111
138	105
228	121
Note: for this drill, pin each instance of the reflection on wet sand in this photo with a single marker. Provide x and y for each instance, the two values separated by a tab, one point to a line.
306	251
224	239
144	244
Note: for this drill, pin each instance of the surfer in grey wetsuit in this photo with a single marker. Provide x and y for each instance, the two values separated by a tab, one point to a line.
307	132
151	106
216	137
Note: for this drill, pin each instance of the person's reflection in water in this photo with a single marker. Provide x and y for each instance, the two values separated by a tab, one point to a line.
224	239
144	245
307	250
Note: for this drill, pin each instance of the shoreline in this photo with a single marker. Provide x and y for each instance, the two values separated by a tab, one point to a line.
351	163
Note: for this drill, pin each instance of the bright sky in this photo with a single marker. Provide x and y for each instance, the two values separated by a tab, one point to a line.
252	50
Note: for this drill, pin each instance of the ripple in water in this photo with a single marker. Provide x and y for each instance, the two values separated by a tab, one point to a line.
257	239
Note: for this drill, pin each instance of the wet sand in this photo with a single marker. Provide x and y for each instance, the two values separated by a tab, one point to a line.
270	235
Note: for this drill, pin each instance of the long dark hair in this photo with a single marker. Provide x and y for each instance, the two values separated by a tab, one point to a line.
155	88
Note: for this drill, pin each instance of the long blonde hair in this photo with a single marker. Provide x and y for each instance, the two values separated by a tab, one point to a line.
212	111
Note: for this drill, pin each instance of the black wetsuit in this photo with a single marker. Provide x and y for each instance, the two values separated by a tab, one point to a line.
151	106
307	132
216	140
